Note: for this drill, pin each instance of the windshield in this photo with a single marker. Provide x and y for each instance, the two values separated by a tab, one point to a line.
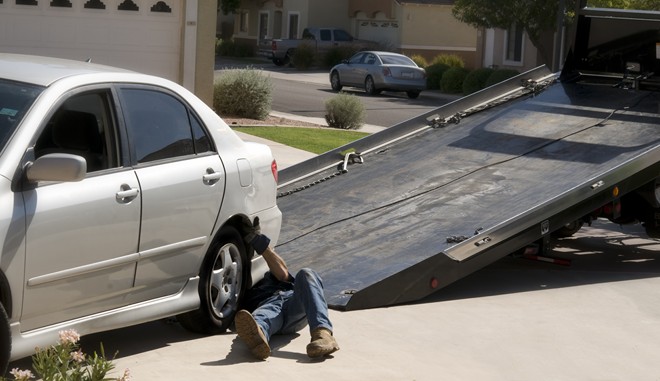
15	99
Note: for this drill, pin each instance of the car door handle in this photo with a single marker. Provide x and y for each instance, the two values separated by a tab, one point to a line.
211	177
127	194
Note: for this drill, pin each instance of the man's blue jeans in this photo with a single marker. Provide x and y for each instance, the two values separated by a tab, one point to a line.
290	311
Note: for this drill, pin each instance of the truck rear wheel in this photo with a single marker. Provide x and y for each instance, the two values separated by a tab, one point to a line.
568	229
278	61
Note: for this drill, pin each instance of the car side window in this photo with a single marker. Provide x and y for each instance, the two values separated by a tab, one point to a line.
83	125
341	35
159	125
325	35
370	59
356	59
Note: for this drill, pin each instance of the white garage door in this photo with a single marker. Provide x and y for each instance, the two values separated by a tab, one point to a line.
382	31
141	35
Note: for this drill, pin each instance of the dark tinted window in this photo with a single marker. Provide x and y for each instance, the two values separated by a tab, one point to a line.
202	141
83	126
325	35
341	35
158	125
15	100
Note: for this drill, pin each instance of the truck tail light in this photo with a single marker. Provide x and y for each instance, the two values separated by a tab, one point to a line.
273	45
273	168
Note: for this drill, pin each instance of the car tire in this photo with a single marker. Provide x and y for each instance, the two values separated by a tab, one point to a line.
370	86
5	340
223	281
335	82
278	61
413	94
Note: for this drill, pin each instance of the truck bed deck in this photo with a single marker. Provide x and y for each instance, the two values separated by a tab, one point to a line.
440	203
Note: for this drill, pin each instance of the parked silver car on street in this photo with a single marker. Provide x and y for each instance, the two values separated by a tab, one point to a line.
121	197
379	71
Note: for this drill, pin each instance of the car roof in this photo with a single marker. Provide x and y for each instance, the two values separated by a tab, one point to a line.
44	71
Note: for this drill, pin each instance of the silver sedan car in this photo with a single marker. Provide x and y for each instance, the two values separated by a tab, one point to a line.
379	71
121	200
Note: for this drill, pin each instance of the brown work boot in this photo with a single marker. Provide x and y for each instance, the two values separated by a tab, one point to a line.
250	332
323	343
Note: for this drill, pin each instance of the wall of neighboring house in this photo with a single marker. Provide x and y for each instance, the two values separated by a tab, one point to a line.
431	30
502	49
427	28
169	38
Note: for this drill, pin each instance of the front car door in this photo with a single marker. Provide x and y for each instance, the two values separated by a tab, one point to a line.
81	237
182	180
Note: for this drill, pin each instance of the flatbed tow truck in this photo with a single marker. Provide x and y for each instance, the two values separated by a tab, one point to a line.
398	215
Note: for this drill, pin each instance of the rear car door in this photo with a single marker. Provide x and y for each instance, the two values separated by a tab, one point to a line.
182	180
81	237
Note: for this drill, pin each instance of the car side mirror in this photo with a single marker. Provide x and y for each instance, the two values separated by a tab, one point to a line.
57	167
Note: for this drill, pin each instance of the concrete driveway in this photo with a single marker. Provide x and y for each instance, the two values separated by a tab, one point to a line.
597	319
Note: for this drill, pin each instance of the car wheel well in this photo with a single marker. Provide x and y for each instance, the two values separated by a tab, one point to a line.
5	294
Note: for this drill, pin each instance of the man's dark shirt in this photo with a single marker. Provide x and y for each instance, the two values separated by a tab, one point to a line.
264	289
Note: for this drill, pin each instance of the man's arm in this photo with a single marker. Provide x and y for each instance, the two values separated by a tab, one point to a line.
276	264
261	244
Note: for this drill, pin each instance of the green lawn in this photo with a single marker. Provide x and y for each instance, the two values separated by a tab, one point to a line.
315	140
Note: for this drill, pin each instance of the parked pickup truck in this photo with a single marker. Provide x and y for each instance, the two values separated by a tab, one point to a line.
280	51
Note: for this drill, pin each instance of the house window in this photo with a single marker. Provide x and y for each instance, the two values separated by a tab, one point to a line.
294	20
263	25
243	21
513	47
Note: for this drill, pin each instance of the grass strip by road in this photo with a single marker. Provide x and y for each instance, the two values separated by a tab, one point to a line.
315	140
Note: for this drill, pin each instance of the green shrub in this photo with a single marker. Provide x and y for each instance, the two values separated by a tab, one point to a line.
243	93
230	48
476	80
337	54
434	74
500	75
451	60
419	60
303	57
344	111
452	80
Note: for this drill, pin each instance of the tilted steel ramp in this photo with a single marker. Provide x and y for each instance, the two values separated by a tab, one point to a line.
442	203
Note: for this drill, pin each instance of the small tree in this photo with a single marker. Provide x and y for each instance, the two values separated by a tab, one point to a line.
344	111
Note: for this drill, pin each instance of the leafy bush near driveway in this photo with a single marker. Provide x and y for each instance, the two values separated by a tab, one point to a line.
476	80
243	93
303	57
336	55
434	74
230	48
500	75
419	60
451	60
452	80
344	111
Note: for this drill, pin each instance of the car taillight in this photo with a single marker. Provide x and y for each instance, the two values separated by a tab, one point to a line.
273	168
387	72
273	45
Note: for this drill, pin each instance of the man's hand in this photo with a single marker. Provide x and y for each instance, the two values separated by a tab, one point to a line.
253	235
250	229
